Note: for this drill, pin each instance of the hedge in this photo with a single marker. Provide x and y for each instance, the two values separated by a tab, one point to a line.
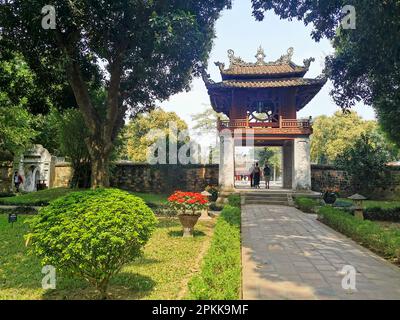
306	204
385	242
234	200
220	274
6	194
382	214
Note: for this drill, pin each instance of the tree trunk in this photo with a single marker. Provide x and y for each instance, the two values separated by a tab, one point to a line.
102	289
100	152
100	174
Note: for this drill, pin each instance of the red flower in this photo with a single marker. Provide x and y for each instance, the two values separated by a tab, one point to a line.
187	201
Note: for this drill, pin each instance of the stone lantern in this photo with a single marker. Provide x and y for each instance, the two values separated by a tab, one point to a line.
358	205
204	213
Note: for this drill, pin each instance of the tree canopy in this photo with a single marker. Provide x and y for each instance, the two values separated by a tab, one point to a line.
206	122
136	134
135	51
365	66
365	161
17	92
333	134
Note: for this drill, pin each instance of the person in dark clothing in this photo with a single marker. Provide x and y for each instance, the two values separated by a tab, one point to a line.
267	175
251	176
256	176
17	180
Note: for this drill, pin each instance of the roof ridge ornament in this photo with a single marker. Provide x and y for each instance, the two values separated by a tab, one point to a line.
206	77
260	56
220	65
234	60
286	58
307	62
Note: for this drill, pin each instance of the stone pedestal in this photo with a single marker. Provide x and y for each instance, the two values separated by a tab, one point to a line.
358	213
226	165
302	164
204	215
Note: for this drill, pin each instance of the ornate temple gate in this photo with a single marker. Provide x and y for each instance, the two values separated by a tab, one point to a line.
260	101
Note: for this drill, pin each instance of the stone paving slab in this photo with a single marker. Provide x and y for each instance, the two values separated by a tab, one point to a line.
287	254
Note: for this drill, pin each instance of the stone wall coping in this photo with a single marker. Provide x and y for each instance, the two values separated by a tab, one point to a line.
316	166
136	164
324	167
130	163
63	164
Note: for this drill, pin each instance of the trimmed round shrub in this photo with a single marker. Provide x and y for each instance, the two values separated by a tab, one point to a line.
92	234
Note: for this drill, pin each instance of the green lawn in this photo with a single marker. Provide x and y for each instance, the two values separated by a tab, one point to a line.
168	263
43	197
151	198
36	198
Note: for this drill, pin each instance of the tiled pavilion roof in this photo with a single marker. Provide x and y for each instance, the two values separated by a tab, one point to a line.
272	69
271	83
262	76
283	67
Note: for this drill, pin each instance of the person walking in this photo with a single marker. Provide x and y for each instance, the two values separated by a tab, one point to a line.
251	176
267	175
17	180
256	176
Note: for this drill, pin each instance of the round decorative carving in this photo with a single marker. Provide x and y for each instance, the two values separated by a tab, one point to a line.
263	111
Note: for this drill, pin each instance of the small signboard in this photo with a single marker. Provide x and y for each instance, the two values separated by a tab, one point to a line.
12	217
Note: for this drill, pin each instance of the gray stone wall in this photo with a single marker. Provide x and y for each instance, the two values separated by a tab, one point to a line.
327	176
163	178
391	189
323	176
135	177
168	178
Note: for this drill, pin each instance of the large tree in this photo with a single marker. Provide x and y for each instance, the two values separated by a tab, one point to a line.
205	122
365	161
137	136
71	134
365	66
334	134
138	51
28	108
16	95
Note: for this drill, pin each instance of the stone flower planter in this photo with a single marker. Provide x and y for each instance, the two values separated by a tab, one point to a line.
188	222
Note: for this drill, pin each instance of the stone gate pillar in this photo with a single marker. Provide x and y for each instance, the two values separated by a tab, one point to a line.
287	158
226	164
302	164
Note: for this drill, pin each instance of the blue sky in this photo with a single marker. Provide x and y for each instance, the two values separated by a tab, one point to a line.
237	29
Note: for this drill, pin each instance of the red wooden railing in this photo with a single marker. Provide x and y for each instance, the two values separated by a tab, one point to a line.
282	124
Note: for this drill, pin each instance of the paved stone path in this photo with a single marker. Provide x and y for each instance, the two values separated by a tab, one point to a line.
288	254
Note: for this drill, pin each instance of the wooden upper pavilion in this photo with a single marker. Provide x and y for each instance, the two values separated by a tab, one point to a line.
264	96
